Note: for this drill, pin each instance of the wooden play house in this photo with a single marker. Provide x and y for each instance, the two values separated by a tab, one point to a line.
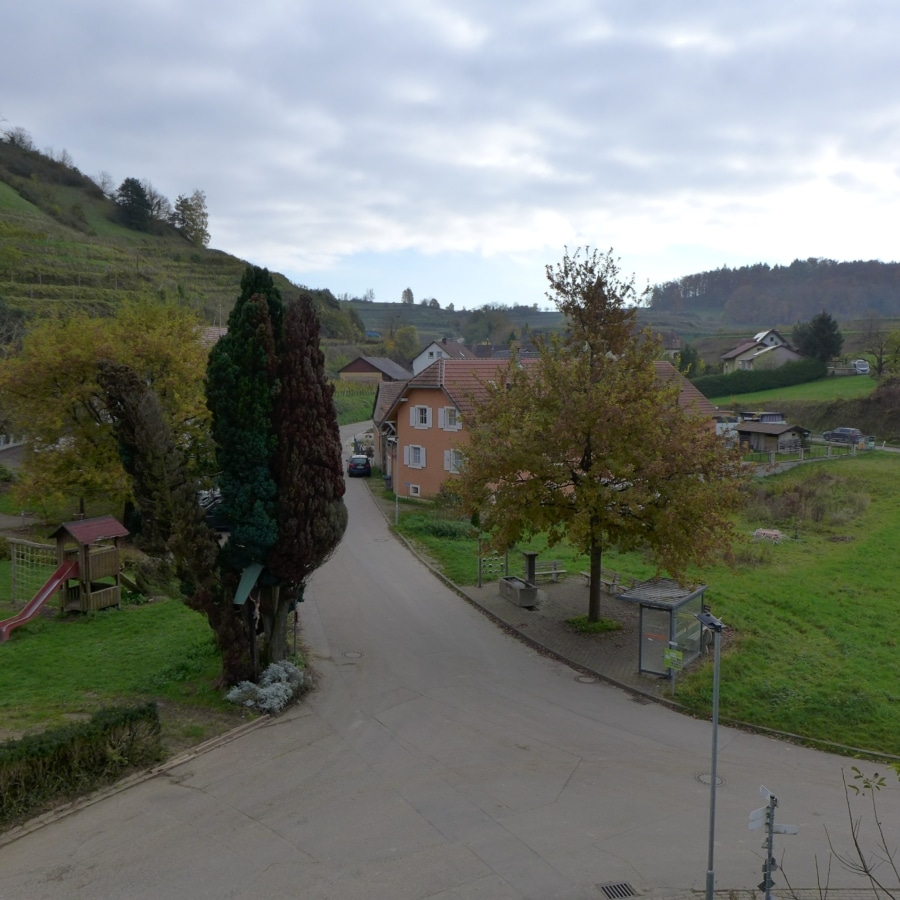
94	545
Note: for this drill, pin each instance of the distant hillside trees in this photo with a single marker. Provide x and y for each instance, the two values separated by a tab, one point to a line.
133	205
763	294
191	218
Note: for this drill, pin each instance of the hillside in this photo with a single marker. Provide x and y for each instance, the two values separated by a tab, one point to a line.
62	250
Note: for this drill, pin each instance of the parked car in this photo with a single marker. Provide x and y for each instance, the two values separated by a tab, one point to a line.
844	436
359	465
861	366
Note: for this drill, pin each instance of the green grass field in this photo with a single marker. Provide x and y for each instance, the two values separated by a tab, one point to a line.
813	627
821	391
53	669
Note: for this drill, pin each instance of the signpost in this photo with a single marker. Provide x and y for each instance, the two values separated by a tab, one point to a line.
765	816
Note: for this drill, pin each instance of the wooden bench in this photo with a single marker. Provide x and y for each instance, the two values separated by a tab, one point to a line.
610	581
549	568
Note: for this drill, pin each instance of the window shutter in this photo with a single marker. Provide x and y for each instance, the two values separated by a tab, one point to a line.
447	461
406	455
423	457
428	417
412	416
442	418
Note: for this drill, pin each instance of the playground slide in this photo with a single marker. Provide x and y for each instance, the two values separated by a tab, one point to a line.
68	569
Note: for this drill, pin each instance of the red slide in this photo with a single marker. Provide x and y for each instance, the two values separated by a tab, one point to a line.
68	569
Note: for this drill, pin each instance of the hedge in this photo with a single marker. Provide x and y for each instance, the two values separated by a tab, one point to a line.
41	769
747	382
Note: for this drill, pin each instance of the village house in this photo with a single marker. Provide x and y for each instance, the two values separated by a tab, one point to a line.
420	425
766	350
443	349
373	369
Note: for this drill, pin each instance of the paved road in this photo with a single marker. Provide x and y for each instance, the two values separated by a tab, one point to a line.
439	758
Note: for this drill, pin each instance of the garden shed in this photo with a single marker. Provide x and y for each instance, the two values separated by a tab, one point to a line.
669	635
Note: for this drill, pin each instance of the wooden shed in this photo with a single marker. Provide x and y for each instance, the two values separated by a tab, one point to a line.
94	544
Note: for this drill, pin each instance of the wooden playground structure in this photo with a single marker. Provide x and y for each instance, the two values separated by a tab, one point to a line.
88	574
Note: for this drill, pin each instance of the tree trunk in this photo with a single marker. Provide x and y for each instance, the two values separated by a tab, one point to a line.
596	584
275	607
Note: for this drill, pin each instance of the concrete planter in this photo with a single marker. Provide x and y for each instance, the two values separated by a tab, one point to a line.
517	591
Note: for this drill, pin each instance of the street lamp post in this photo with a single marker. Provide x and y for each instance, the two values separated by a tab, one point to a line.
709	621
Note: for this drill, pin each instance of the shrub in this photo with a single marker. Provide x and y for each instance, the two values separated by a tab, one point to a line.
64	762
762	380
451	529
279	684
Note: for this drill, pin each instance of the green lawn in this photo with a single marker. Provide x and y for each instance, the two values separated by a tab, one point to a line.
52	669
850	387
814	635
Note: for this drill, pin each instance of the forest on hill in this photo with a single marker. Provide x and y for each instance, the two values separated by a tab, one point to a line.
761	295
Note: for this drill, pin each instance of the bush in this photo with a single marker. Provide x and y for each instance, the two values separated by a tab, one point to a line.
451	529
64	762
799	372
280	683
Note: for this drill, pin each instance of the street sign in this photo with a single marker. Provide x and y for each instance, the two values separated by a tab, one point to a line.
766	794
758	818
785	829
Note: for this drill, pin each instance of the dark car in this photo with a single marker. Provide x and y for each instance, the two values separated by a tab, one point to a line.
359	465
844	435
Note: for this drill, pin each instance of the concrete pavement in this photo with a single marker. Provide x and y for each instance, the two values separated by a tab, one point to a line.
441	758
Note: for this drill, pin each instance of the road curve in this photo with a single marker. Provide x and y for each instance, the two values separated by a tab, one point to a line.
438	758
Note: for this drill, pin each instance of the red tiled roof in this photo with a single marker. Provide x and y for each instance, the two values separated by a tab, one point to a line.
385	397
688	396
87	531
464	379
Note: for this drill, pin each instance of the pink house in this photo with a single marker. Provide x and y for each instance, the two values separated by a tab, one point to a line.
421	424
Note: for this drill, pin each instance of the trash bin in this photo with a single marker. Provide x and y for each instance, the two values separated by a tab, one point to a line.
387	482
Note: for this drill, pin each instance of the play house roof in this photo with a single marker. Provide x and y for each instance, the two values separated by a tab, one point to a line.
87	531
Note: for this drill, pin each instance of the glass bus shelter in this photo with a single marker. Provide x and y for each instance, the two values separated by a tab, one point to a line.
670	633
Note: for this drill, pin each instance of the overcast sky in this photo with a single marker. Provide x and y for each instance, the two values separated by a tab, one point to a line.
456	146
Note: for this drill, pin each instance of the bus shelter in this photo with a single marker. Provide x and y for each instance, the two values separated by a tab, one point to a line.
669	634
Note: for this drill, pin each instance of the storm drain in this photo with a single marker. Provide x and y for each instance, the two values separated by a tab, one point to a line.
615	889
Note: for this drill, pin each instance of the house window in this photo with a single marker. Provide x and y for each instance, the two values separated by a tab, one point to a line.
448	418
420	416
431	354
414	490
414	456
746	364
452	461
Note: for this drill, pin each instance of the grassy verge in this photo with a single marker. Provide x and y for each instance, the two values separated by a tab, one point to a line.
813	630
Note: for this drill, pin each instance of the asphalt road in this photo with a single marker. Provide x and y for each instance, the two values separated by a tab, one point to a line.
439	758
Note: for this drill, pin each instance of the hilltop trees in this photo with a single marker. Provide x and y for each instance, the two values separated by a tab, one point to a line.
133	205
191	218
590	442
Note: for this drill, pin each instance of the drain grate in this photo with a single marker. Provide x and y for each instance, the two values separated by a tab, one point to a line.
616	889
